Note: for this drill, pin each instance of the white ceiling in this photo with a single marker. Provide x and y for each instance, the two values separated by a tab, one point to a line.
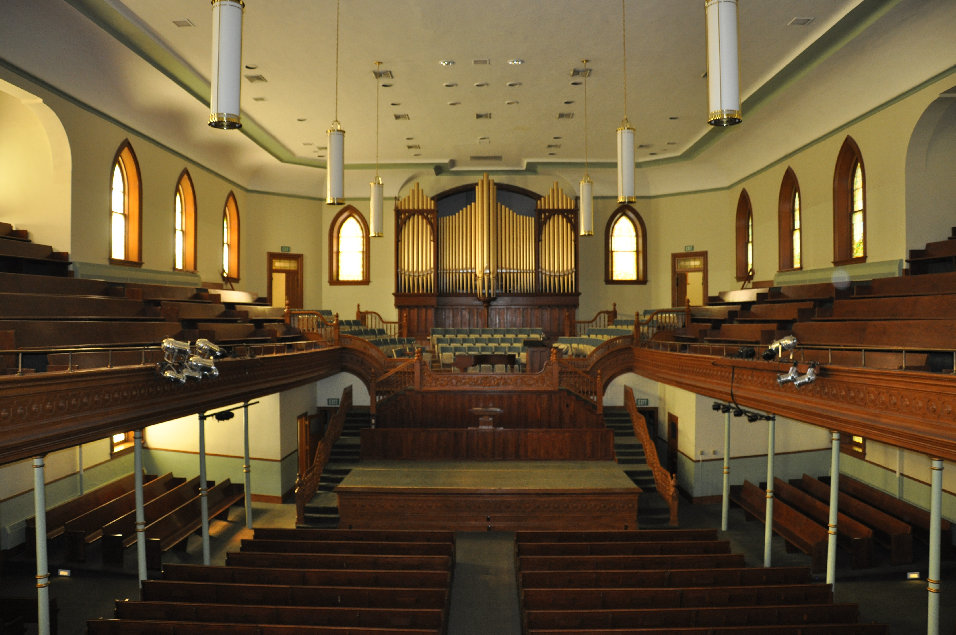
128	59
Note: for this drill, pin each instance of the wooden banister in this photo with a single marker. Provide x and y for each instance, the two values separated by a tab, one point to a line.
374	320
659	320
308	483
666	483
314	325
601	319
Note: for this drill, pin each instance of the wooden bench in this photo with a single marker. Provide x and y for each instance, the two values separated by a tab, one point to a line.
781	313
745	576
818	291
936	257
88	528
39	306
56	334
794	527
912	307
656	535
337	561
618	548
912	335
590	598
852	535
15	612
783	629
121	533
18	254
347	546
49	285
600	563
166	627
760	333
175	527
396	535
889	531
924	284
424	579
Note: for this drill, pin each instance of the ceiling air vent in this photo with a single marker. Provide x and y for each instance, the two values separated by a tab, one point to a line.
256	78
580	72
183	23
413	146
401	116
383	74
486	157
799	21
483	62
565	115
482	115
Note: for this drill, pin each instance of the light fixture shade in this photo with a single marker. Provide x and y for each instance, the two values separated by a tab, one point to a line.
586	205
375	208
226	61
335	167
625	163
723	76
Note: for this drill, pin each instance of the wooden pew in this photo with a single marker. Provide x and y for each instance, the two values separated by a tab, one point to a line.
798	530
424	579
748	333
121	533
924	284
618	548
589	598
39	306
783	629
746	576
656	535
337	561
166	627
888	531
88	528
176	526
911	307
589	563
396	535
819	291
346	546
781	313
58	516
33	283
853	535
911	334
55	334
417	618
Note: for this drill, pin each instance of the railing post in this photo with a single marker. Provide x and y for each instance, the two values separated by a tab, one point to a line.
335	330
613	314
599	393
637	328
358	312
419	362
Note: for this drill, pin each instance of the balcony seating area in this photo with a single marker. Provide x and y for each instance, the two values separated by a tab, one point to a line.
448	343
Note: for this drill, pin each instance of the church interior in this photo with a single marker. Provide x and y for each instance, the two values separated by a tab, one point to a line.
411	316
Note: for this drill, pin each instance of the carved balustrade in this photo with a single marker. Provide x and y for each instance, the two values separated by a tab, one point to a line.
307	484
666	484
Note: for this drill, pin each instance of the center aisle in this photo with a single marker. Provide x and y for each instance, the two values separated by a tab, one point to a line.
484	590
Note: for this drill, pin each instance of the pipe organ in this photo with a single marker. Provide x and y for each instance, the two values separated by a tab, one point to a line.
488	247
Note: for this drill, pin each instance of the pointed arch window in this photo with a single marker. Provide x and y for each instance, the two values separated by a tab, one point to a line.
849	205
789	223
625	247
126	201
745	238
184	225
230	239
348	248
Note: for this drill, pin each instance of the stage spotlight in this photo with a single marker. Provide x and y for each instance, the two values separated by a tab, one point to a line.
779	346
207	349
745	352
172	374
173	349
224	415
738	411
205	367
715	405
725	408
808	377
790	376
753	416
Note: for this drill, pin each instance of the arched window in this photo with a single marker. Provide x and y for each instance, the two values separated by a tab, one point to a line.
849	205
788	223
230	239
745	237
348	248
625	243
126	201
184	239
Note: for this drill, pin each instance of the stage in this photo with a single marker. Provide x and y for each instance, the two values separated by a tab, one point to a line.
488	495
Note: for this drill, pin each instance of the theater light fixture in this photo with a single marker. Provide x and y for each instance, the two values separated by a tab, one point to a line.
723	76
226	61
625	133
586	198
779	346
790	376
808	377
376	199
335	166
751	415
180	362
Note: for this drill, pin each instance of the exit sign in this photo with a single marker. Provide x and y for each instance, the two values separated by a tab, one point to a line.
332	401
285	249
642	402
688	248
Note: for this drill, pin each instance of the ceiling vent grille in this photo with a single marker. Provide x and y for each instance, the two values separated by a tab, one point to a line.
183	23
799	21
253	79
486	157
383	74
402	116
565	115
580	72
482	115
483	62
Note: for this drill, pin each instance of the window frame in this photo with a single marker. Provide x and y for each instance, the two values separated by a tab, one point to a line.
230	216
848	159
640	230
789	190
743	232
335	228
125	158
122	447
185	189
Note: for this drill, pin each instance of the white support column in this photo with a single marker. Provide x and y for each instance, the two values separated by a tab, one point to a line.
834	506
43	573
79	467
768	515
203	489
140	515
245	465
935	517
725	500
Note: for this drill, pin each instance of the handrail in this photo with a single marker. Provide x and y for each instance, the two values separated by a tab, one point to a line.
397	379
313	324
660	320
601	319
666	483
306	485
582	384
374	320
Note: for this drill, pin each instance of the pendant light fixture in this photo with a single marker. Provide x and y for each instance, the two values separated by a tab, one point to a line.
226	61
723	75
335	168
625	134
586	198
376	200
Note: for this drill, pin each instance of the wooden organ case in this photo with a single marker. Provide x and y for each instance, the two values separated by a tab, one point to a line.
486	256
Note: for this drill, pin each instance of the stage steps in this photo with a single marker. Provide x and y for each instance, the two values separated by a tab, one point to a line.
652	510
323	509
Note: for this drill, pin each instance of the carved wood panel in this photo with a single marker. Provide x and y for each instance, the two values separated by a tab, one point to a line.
487	444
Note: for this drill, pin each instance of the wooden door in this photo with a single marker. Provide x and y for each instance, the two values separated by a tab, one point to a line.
285	280
672	443
689	276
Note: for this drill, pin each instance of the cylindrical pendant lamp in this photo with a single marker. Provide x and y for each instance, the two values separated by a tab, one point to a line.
335	168
625	163
723	75
375	208
226	62
587	207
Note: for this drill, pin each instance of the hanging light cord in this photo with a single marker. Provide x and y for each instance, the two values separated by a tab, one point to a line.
337	3
624	48
586	163
378	83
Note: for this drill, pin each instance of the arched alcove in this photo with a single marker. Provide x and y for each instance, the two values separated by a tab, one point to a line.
930	186
35	180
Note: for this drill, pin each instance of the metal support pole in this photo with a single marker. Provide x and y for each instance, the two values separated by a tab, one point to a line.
43	573
203	489
245	465
935	516
79	465
768	515
834	506
140	516
725	500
